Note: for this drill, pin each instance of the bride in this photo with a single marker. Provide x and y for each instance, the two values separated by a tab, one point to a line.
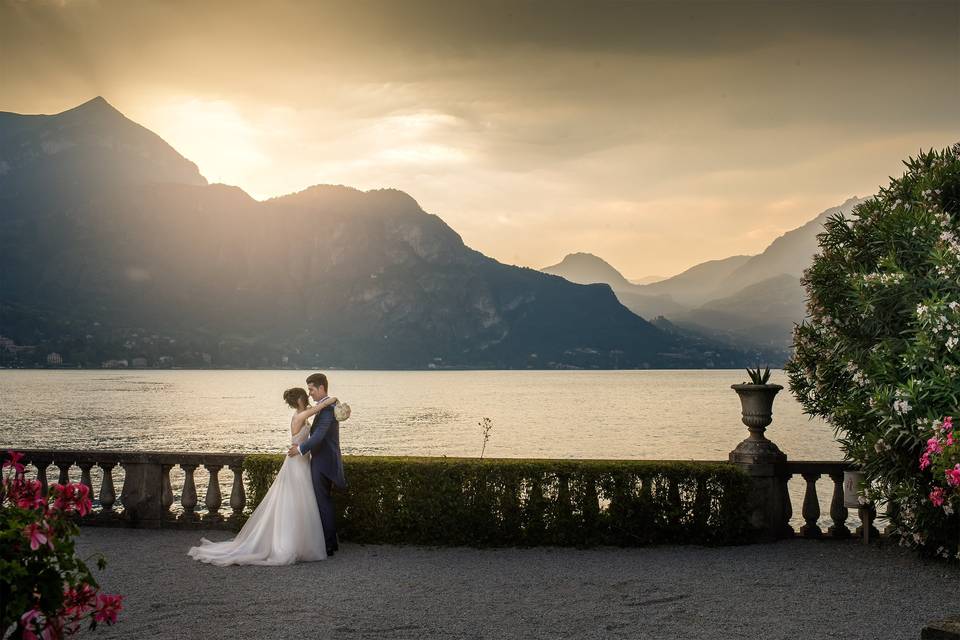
285	527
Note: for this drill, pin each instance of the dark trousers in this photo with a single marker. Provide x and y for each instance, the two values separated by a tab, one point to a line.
322	487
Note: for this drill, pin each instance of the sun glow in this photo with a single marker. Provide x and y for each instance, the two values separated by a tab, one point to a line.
215	134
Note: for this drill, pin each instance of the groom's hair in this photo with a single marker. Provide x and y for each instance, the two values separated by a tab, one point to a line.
318	380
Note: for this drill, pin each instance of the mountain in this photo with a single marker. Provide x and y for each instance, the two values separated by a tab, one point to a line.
586	268
744	301
791	253
699	283
90	146
647	279
113	246
650	306
759	314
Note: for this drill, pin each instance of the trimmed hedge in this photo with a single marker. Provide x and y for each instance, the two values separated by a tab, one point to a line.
517	502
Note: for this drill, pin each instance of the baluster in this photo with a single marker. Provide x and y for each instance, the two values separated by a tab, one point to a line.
213	499
866	530
166	496
64	467
838	512
85	475
42	475
107	495
238	495
786	530
811	507
189	497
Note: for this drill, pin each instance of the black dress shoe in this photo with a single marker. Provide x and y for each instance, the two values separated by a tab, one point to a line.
330	553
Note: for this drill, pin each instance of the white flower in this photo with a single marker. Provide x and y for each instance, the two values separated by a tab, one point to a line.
901	406
952	342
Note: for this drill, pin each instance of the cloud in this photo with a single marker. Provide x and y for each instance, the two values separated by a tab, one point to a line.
642	131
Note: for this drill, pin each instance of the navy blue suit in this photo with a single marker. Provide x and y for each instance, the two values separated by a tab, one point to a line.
326	469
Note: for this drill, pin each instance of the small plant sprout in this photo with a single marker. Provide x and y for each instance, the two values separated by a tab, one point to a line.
485	425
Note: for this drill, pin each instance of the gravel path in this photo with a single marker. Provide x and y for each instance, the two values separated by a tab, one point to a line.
791	589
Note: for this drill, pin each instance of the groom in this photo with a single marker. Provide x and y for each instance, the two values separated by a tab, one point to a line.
326	466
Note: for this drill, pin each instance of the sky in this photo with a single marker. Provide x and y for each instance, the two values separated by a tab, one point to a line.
655	135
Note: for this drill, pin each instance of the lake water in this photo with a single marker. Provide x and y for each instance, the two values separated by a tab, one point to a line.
543	414
643	415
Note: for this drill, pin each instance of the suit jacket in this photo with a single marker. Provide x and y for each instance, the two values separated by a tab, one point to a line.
324	447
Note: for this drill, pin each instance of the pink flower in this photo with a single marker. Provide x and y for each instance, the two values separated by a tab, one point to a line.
936	496
61	497
32	622
83	503
13	461
948	424
30	617
78	602
925	460
37	536
28	494
953	475
933	446
72	497
108	606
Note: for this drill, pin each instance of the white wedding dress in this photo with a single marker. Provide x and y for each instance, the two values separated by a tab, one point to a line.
283	529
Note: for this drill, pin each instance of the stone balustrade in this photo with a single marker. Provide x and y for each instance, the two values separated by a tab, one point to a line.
811	509
147	496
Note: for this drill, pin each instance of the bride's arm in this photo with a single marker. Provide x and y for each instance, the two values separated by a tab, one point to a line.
301	417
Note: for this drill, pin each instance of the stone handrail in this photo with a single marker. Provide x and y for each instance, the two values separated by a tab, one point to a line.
770	472
147	495
811	471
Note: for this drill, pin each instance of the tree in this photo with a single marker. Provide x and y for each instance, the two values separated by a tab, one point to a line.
879	354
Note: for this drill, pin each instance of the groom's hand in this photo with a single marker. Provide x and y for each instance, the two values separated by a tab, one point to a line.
294	450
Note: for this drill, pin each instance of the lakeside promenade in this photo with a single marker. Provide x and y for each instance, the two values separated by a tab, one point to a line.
784	590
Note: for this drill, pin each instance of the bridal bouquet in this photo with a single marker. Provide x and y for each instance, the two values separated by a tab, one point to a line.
341	411
46	591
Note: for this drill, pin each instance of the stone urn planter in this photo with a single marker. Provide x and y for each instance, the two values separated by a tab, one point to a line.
756	401
853	489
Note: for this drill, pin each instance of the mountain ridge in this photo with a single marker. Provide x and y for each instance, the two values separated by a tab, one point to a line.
746	300
141	255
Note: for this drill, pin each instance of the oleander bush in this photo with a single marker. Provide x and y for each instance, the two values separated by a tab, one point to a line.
46	590
878	357
516	502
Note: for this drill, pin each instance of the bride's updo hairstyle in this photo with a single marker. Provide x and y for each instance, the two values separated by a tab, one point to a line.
293	397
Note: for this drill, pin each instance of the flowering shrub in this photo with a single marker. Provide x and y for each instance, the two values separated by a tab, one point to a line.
942	457
878	356
45	590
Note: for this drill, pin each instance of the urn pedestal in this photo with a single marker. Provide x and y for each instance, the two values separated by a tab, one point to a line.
762	460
